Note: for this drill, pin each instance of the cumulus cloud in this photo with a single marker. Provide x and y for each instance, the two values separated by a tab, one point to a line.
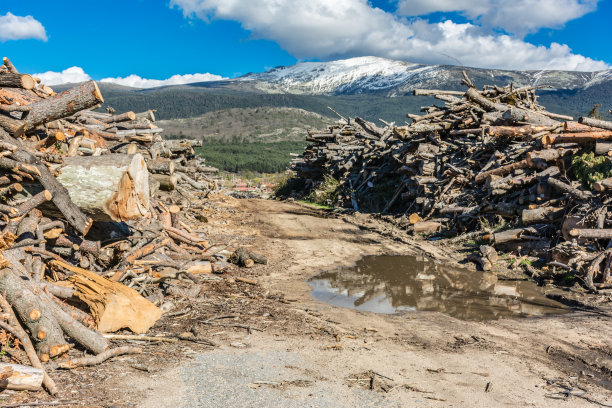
517	17
77	74
14	27
137	82
347	28
68	76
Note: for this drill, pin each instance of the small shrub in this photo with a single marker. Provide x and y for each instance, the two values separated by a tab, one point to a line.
589	168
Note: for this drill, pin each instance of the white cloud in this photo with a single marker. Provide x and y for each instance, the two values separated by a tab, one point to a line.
517	17
137	82
77	74
347	28
14	27
68	76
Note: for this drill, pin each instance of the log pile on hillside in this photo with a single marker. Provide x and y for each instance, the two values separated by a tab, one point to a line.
490	165
97	210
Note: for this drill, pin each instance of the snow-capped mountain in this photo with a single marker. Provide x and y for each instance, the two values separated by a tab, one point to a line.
389	77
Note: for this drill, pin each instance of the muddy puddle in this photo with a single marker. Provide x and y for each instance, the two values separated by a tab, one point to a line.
391	284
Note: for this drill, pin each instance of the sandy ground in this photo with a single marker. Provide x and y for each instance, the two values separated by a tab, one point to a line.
315	355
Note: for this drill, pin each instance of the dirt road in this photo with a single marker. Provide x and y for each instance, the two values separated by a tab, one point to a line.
316	355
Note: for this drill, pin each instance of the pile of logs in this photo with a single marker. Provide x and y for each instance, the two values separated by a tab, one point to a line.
490	165
94	211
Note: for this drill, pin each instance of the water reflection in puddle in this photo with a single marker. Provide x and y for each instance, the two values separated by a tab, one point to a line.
389	284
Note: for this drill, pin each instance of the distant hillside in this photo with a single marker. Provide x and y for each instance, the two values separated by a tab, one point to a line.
369	87
182	102
264	124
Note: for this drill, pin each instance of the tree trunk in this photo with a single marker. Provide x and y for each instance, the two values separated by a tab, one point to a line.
602	124
20	377
64	104
10	80
166	183
107	188
161	166
43	327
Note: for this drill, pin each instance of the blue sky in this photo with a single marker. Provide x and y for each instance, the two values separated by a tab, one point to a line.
156	39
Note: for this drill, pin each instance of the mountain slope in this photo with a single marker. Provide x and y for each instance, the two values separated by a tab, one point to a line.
389	77
369	87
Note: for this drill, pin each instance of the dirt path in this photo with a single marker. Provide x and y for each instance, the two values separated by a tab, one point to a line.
313	354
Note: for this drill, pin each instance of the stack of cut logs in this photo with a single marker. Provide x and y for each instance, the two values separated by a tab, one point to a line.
95	209
488	165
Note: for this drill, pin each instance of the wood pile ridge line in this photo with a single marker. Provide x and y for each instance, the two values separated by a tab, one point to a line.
489	165
95	209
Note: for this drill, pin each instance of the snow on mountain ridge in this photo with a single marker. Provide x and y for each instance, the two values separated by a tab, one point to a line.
380	75
349	75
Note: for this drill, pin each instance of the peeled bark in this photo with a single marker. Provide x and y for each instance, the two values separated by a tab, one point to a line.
107	188
20	377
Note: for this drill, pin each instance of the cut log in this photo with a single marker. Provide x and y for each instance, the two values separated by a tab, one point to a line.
44	328
10	80
148	115
591	233
161	166
64	104
107	188
20	377
502	170
518	115
13	126
79	221
113	305
124	117
166	182
426	227
603	148
540	215
603	185
566	188
601	124
581	137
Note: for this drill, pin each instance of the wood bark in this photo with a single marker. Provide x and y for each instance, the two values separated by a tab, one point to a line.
64	104
22	378
106	188
79	221
582	137
166	182
603	185
10	80
566	188
601	124
44	328
518	115
161	166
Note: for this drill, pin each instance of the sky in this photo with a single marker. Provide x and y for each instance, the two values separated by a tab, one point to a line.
147	43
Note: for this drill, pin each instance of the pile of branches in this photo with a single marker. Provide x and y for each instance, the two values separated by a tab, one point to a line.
97	213
490	165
